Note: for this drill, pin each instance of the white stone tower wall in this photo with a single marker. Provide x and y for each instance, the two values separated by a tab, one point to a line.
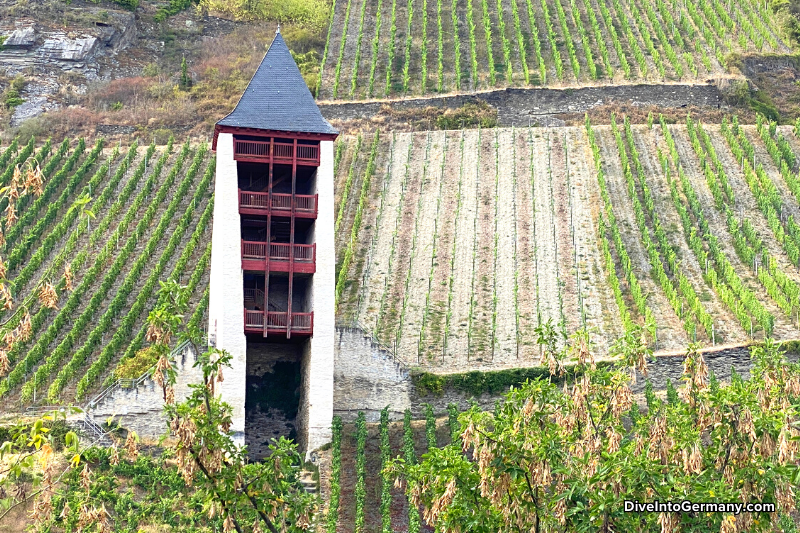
316	405
226	293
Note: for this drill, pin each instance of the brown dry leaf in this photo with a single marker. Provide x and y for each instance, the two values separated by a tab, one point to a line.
130	446
48	296
68	277
5	365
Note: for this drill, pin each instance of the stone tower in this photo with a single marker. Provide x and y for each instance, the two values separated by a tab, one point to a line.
273	260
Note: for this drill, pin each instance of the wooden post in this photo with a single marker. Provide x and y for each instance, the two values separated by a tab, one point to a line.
269	236
291	242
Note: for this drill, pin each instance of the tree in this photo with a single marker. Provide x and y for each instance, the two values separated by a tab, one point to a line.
186	80
553	460
252	497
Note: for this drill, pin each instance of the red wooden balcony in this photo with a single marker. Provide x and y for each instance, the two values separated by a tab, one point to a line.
258	203
302	323
284	153
254	256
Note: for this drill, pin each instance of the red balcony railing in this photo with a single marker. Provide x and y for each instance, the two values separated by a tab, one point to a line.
307	154
303	253
277	321
304	204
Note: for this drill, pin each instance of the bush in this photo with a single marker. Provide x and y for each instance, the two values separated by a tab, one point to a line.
469	115
150	70
137	365
161	136
308	63
11	98
312	14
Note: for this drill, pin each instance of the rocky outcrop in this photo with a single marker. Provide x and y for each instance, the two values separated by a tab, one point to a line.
21	38
50	51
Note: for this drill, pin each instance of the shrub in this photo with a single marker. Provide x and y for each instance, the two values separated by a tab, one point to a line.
310	13
137	365
471	115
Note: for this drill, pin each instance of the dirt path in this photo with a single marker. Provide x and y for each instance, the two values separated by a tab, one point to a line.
505	275
378	277
450	192
599	306
670	329
544	237
725	324
464	252
419	276
394	299
563	167
526	260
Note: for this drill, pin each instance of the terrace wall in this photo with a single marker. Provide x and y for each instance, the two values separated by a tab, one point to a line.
516	106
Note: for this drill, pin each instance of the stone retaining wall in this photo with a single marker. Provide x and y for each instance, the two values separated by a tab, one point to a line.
516	107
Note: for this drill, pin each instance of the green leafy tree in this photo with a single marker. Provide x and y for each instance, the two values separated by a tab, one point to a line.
553	460
186	80
243	496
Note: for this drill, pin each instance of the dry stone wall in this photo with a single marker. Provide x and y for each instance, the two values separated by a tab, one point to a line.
519	107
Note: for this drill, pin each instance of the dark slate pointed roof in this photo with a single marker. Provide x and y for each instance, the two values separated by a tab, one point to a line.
277	97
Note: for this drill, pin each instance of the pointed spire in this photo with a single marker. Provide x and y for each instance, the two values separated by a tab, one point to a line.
278	31
277	97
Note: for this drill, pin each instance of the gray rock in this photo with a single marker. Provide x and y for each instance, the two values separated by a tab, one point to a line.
58	47
22	37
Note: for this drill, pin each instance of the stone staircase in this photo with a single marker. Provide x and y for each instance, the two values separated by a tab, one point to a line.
306	478
138	404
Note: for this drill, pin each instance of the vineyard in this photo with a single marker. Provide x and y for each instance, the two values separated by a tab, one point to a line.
362	497
457	248
109	225
394	48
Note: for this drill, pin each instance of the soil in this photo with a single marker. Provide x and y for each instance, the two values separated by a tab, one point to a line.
465	234
526	262
670	333
432	342
481	334
389	212
360	265
394	299
718	227
426	232
506	276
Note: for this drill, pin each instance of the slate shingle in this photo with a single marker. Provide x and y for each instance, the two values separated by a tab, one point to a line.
277	98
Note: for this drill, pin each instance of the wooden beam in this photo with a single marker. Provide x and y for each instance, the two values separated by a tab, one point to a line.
291	242
269	240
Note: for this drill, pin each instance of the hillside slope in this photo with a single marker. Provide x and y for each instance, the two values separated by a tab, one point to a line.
148	217
393	48
467	241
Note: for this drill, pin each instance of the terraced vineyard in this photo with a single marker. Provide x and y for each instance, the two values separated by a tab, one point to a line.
458	245
386	48
109	225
